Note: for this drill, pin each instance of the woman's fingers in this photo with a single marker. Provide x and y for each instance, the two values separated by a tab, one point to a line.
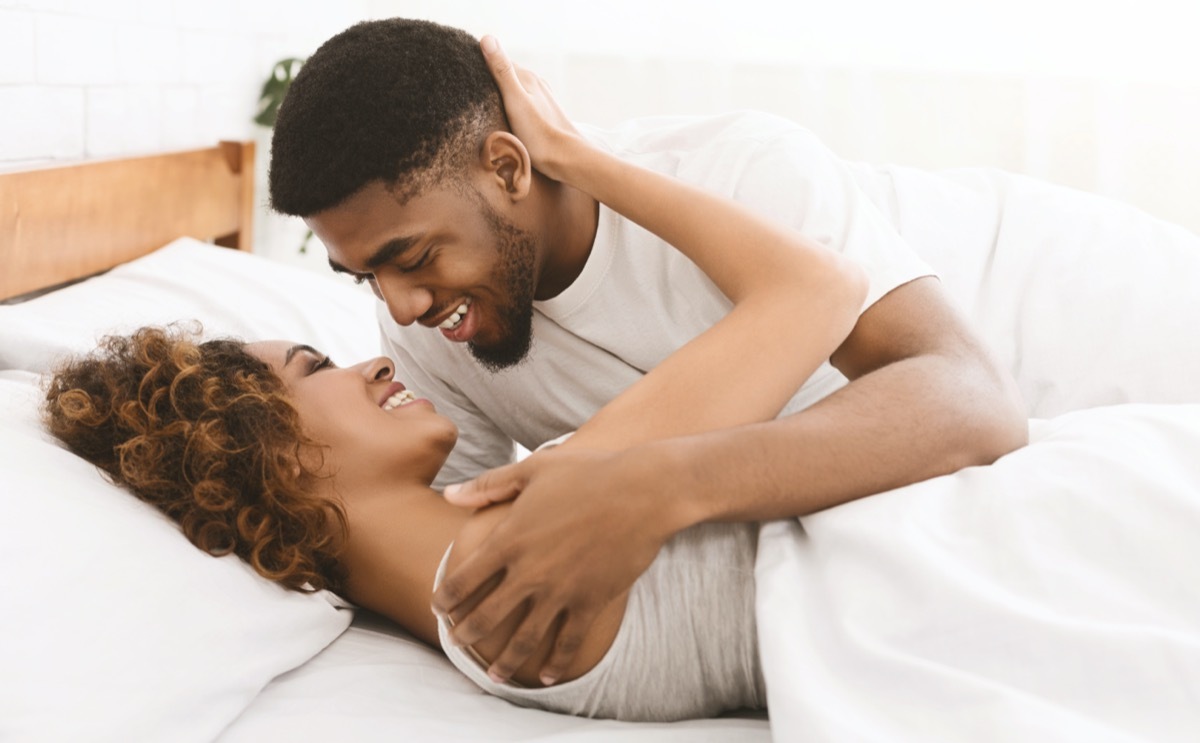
503	70
533	114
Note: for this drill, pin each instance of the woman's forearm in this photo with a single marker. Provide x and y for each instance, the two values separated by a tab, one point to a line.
794	303
741	251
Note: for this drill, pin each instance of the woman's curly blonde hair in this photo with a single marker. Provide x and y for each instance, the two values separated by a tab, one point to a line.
205	433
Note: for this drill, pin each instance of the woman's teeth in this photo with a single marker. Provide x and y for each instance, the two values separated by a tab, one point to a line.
403	397
452	322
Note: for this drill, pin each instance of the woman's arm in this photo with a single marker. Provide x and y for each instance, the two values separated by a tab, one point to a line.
794	300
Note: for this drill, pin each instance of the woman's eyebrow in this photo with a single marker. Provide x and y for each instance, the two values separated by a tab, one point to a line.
287	359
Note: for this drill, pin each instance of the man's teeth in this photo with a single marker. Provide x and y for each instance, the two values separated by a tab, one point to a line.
403	397
452	322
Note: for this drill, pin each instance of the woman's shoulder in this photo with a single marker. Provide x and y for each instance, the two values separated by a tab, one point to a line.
475	531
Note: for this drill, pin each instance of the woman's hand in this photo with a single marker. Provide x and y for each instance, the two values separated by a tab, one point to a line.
533	114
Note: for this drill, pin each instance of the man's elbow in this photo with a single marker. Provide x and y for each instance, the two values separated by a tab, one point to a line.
1003	435
997	423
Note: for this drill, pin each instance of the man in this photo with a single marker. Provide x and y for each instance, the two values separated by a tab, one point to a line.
540	305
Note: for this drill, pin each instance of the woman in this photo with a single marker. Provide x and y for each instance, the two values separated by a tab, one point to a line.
320	476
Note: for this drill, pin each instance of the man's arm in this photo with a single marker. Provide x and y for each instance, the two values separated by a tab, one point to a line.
925	399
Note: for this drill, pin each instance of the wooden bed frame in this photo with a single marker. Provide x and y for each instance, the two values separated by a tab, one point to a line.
65	222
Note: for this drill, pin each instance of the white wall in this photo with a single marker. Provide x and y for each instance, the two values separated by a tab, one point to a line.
1103	96
84	79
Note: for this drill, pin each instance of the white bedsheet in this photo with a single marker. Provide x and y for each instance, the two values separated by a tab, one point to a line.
1052	596
375	683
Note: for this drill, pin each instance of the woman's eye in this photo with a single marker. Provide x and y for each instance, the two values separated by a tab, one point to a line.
325	363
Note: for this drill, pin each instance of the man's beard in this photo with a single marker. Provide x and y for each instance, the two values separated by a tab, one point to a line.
513	277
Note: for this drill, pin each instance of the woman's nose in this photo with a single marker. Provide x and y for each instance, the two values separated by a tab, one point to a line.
378	369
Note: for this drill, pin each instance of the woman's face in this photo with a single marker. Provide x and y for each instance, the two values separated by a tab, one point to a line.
377	432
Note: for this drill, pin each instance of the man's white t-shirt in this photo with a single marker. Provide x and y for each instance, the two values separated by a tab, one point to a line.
638	299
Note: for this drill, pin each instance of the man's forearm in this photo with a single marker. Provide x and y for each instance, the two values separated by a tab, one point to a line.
909	421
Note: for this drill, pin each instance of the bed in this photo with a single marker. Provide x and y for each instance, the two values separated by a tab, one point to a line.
1052	596
117	629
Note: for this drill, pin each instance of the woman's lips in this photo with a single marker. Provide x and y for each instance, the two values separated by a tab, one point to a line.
392	389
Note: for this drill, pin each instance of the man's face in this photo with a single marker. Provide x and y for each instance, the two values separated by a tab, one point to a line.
445	259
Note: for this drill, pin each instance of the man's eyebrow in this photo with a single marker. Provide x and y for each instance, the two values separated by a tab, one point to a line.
389	251
392	249
297	349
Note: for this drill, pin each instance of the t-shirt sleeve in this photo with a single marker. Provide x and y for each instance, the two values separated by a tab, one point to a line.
481	444
794	178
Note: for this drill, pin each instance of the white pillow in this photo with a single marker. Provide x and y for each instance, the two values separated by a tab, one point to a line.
114	626
231	292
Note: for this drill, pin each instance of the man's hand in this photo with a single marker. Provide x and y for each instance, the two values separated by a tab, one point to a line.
579	535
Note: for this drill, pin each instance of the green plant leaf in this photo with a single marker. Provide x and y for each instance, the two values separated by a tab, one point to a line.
274	88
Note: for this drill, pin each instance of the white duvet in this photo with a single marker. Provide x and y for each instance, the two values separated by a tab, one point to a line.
1055	595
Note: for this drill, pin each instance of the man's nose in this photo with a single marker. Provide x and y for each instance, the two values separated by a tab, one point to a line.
406	301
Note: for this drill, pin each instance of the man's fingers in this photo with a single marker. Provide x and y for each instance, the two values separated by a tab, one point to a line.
522	645
493	486
464	582
483	618
566	645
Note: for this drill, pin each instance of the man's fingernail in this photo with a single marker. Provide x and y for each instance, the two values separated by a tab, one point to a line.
489	44
496	678
452	489
547	679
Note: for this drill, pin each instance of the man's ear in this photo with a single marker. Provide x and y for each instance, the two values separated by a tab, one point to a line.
506	163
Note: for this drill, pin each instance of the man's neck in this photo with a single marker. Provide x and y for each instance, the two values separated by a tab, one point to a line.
570	217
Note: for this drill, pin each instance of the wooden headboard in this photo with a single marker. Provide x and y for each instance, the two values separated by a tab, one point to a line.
64	222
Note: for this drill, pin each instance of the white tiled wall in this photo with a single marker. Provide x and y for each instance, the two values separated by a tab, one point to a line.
83	79
100	78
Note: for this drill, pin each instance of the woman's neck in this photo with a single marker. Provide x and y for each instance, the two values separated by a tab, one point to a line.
396	540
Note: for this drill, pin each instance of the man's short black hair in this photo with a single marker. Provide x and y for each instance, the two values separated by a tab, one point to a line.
402	101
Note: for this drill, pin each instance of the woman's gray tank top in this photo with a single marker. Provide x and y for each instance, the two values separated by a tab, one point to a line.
686	648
